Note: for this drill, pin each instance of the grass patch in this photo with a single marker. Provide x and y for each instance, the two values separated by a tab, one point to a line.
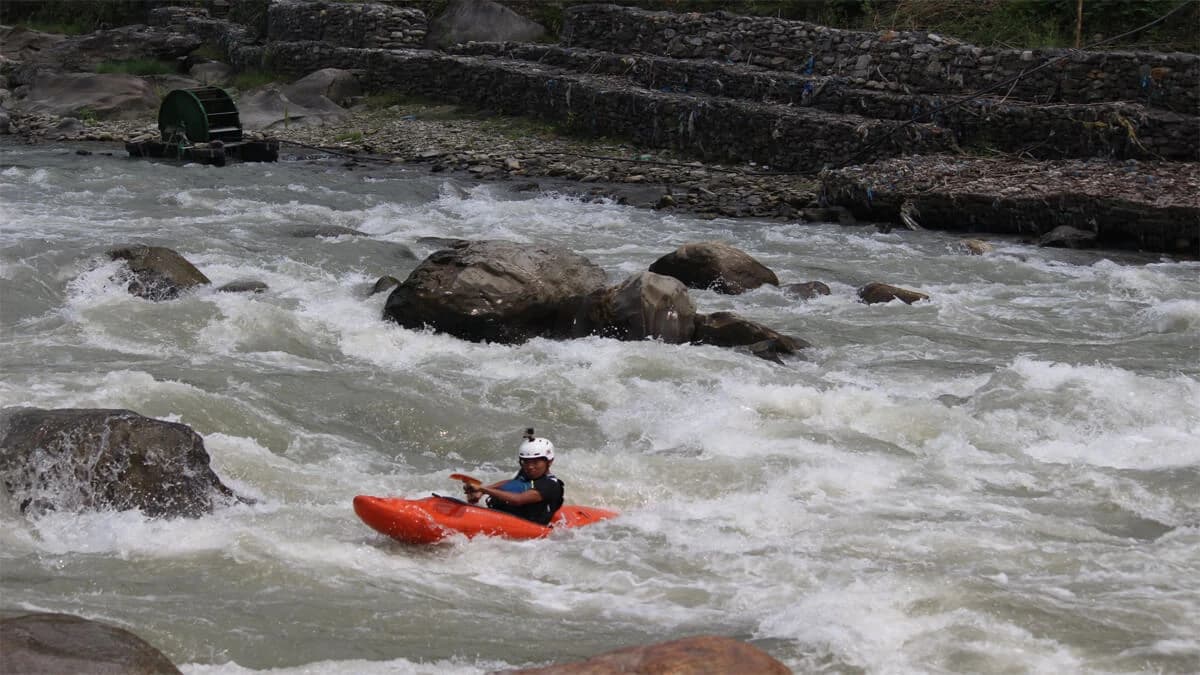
349	137
136	67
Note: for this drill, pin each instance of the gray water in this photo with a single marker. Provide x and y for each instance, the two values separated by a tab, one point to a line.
1005	478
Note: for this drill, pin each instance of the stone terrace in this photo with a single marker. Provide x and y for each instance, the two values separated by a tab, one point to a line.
798	97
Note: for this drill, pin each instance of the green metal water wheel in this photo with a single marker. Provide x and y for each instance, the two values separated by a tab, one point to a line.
200	115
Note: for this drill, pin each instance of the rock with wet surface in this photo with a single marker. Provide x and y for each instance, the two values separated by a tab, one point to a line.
158	273
646	305
495	291
700	655
104	459
715	265
63	643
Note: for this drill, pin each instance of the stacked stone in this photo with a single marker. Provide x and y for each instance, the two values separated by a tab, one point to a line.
364	25
1120	130
723	129
891	60
237	42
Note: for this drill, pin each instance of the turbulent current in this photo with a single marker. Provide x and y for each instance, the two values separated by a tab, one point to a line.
1003	478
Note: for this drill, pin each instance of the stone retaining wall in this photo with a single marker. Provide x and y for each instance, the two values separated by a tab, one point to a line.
790	139
1031	205
346	24
924	61
1118	130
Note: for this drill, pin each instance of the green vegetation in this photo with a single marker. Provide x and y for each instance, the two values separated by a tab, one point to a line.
348	136
87	116
136	67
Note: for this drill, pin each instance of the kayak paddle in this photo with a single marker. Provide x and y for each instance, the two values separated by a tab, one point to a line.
474	482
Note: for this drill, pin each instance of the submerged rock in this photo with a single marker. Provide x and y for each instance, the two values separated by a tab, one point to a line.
876	292
94	459
694	655
158	273
63	643
726	329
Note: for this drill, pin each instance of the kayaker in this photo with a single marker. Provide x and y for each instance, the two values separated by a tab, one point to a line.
534	493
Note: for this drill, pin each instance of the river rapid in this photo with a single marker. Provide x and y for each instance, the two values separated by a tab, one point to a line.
1004	478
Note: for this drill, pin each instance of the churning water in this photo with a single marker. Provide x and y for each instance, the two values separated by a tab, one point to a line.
1005	478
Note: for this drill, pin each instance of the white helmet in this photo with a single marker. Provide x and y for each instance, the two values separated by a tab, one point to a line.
534	448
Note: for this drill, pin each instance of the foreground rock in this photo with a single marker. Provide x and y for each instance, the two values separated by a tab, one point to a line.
93	459
157	273
495	291
703	655
62	643
715	265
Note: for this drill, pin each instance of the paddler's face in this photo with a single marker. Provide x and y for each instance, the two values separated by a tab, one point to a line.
535	468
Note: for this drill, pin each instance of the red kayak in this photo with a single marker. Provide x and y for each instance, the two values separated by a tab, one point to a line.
432	519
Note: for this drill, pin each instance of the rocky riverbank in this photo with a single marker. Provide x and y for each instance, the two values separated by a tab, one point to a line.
444	138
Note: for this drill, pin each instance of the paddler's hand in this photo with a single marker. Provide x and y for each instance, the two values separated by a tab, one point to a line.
473	493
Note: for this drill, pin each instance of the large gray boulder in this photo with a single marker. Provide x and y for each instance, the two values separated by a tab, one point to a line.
646	305
89	459
62	643
158	273
480	21
495	291
108	96
715	265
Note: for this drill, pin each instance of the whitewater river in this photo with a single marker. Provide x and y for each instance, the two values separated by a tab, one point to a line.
1005	478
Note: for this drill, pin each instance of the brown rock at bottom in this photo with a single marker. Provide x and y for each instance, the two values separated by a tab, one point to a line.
701	655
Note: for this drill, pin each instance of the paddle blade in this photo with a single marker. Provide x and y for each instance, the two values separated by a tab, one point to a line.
466	479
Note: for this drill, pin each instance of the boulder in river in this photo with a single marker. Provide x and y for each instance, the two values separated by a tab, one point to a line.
63	643
85	459
694	655
715	265
726	329
496	291
876	292
806	290
158	273
646	305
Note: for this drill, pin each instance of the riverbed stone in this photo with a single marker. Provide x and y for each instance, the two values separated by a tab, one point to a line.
700	655
98	459
727	329
716	265
876	292
158	273
63	643
495	291
806	290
